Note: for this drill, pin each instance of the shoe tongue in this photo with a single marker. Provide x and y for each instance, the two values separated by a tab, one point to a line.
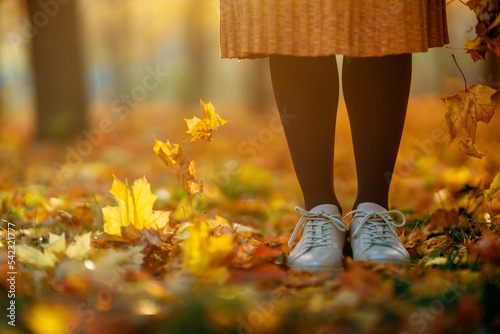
368	206
326	208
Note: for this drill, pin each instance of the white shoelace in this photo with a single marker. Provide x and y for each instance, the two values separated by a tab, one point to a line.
320	223
373	220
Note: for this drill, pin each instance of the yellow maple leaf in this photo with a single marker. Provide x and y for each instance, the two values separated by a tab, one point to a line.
204	128
35	257
135	207
80	247
465	110
175	159
56	245
494	189
205	256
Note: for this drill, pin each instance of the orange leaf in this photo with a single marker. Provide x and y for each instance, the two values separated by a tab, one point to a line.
83	214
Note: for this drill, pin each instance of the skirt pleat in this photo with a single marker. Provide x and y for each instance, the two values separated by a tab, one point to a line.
355	28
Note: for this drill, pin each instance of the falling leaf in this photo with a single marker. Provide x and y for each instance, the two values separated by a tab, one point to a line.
204	128
135	207
494	189
205	256
467	108
470	149
175	159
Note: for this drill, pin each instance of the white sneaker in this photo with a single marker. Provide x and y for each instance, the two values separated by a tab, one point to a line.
373	236
319	250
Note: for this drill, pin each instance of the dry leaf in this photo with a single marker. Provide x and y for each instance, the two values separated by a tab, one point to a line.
135	207
206	256
34	257
476	48
83	214
79	248
494	189
470	149
487	29
203	128
56	245
175	159
467	108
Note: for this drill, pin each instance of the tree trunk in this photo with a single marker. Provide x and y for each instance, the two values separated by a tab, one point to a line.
196	49
58	70
492	74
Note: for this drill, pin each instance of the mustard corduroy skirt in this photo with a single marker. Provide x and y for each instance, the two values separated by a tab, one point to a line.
355	28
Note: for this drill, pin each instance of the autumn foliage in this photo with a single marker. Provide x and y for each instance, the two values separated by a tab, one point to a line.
185	248
209	256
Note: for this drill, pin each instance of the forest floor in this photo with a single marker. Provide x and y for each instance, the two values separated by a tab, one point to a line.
219	266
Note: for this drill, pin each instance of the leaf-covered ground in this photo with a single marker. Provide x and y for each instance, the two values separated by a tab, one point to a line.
215	262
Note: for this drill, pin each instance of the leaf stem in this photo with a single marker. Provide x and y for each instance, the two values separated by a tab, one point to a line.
465	80
191	203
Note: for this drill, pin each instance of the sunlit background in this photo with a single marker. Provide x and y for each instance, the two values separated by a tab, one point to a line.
83	92
121	38
122	43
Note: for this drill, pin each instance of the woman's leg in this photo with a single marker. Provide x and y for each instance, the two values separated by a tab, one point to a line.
308	89
376	91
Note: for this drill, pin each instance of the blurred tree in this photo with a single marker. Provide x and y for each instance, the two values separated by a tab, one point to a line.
117	38
196	50
492	70
58	69
259	92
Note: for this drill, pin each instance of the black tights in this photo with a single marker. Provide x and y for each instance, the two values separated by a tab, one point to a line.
376	92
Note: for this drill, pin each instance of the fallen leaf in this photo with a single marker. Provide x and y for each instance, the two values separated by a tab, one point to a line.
175	159
494	189
204	128
440	243
487	248
83	214
206	256
135	207
34	257
79	248
56	245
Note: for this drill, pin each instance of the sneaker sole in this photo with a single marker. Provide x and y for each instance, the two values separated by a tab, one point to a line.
393	262
320	270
